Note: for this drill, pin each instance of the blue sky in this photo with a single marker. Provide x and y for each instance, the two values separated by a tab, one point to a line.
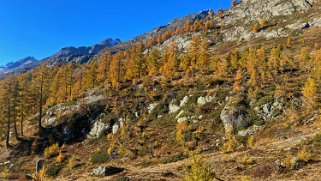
40	28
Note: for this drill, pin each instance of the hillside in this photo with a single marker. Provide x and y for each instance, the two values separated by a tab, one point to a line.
227	95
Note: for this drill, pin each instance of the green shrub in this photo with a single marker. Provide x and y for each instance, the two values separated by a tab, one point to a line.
99	157
53	170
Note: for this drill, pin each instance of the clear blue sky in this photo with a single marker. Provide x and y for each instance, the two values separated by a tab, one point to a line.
40	28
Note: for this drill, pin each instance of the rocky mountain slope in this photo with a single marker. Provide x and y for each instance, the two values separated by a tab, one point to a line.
252	113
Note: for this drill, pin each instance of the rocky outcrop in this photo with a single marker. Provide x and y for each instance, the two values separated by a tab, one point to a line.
269	110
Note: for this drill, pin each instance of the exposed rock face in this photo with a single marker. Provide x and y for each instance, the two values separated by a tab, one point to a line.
51	118
253	10
233	115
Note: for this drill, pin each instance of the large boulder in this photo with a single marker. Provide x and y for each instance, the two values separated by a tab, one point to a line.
53	114
234	115
98	129
103	171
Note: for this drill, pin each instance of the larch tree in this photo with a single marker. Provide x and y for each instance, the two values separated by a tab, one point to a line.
153	61
194	50
234	59
41	82
237	86
15	98
204	55
317	67
115	71
187	26
26	99
262	64
90	75
78	88
171	63
309	92
103	67
7	107
252	70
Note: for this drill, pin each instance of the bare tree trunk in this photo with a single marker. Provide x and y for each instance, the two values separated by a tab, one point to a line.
15	127
8	126
22	112
40	106
21	124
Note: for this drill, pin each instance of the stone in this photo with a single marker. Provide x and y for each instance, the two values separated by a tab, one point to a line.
316	22
297	26
39	165
121	122
98	129
103	171
115	129
181	120
184	101
151	107
201	101
173	108
136	114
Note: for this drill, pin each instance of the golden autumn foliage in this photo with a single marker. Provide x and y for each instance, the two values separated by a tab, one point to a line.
309	92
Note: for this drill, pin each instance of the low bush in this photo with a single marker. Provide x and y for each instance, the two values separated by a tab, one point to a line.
99	157
173	158
198	170
53	170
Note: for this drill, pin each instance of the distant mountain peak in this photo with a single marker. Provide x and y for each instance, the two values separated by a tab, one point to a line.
81	54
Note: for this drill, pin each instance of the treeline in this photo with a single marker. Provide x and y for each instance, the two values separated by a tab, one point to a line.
251	71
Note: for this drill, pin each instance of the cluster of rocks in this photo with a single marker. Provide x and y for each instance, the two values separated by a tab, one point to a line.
269	110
